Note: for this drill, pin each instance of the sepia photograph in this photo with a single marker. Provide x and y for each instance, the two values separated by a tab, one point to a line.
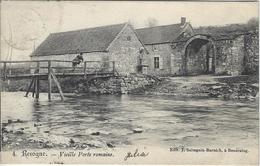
131	82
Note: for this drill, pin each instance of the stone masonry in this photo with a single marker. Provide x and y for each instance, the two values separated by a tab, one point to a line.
117	85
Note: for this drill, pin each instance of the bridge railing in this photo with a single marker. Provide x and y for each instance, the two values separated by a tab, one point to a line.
16	68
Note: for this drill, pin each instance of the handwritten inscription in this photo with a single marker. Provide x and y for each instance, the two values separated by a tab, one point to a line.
135	154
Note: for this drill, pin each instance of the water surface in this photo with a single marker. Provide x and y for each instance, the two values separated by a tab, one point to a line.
164	120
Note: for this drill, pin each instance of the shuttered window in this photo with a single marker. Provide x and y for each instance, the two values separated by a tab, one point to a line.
156	63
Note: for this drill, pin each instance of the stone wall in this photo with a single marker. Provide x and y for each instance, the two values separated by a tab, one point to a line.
164	52
251	53
237	56
233	56
133	83
177	58
125	51
222	52
171	56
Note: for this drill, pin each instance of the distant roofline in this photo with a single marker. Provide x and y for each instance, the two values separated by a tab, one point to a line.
178	25
158	26
158	43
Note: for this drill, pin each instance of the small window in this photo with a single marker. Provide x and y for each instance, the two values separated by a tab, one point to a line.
156	63
154	48
128	38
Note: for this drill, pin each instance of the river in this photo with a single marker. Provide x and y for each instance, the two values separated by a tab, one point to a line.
162	120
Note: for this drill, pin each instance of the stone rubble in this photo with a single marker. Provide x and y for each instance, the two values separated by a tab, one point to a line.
235	91
41	141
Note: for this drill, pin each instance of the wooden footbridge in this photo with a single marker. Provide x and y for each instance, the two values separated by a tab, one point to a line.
51	70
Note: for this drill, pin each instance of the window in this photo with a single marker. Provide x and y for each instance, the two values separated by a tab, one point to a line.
156	63
128	38
154	48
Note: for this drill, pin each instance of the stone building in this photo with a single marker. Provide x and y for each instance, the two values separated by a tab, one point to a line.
117	43
158	41
225	54
178	49
175	49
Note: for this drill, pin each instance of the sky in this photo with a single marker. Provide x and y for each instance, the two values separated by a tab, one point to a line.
25	24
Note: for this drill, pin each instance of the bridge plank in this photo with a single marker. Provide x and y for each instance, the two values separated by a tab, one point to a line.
44	75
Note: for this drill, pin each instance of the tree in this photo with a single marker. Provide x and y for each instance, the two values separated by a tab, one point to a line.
151	22
253	23
131	22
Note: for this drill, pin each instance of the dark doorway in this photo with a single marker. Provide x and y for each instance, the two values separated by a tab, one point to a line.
199	57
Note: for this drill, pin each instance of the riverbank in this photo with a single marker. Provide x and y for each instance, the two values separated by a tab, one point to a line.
20	134
225	87
243	87
124	84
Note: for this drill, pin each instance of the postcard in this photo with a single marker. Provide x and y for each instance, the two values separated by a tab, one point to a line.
131	82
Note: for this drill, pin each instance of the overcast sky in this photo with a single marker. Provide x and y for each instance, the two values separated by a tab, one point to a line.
25	23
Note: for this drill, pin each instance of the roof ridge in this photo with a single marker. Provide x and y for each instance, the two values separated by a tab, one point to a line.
55	33
157	26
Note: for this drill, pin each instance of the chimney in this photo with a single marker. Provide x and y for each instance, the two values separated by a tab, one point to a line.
183	20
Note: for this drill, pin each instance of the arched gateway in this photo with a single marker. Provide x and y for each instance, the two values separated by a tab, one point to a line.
199	55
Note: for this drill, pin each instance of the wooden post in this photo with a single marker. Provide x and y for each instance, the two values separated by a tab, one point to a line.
29	88
58	85
8	80
49	80
4	72
114	67
84	69
37	87
37	68
34	86
37	81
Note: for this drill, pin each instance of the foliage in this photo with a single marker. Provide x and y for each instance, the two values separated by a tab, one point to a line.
251	25
151	22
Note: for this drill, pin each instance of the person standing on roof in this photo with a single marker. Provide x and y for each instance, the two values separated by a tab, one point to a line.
77	60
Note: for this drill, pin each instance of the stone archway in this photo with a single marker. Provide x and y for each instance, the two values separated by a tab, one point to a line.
199	56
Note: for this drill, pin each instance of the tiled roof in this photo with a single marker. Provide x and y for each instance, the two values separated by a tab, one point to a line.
86	40
159	34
